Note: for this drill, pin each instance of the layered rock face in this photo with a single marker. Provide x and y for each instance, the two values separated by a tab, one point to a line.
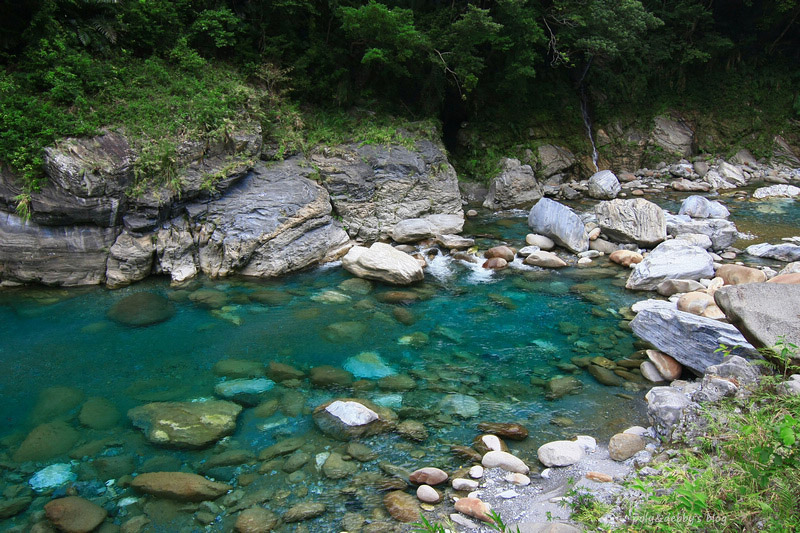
223	212
372	188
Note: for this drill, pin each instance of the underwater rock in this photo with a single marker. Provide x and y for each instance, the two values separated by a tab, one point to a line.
559	387
141	309
304	511
397	383
256	520
412	430
336	467
344	332
244	391
368	365
282	372
56	402
327	376
74	515
506	430
52	476
402	506
460	405
180	486
186	424
238	368
46	441
99	413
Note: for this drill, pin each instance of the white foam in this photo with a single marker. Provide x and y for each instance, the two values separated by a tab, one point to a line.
441	267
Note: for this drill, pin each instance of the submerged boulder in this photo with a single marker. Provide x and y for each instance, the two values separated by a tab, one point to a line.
141	309
185	424
180	486
382	262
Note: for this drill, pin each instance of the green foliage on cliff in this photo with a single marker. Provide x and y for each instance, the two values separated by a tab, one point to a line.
164	68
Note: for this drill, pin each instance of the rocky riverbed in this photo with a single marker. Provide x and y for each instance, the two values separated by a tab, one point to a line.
358	394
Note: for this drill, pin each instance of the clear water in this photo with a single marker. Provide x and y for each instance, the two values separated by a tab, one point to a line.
488	334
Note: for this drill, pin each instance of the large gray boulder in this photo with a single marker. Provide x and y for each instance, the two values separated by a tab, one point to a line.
632	221
691	340
701	207
782	252
515	186
372	188
382	262
604	185
53	255
723	233
560	223
554	160
272	222
763	312
671	260
417	229
675	137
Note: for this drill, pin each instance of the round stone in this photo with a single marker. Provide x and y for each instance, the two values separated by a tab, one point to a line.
428	494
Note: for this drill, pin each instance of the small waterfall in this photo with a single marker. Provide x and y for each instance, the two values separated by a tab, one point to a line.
587	121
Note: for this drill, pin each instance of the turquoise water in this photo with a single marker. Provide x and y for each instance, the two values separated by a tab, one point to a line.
484	334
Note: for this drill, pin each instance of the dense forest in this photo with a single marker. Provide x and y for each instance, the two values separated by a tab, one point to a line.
162	69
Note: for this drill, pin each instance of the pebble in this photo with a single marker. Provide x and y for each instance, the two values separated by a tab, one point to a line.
428	476
463	521
473	507
518	479
600	477
476	472
464	484
504	460
428	494
508	494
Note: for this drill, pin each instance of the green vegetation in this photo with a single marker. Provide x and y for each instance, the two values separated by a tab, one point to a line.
167	70
742	474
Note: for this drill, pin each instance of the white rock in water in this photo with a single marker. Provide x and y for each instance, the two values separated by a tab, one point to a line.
476	472
352	413
52	477
382	262
368	365
560	453
504	460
